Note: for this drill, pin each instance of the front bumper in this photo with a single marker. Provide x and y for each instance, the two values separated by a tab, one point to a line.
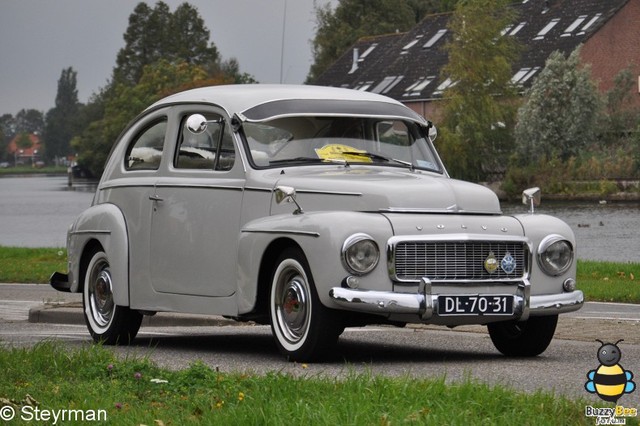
424	305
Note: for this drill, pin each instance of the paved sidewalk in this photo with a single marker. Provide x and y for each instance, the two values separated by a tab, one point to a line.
71	313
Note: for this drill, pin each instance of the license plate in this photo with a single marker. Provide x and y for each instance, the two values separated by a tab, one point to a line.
475	305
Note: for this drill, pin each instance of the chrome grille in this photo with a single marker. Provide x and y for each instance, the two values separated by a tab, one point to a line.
456	260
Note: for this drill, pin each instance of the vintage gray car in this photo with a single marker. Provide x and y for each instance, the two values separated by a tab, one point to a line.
311	209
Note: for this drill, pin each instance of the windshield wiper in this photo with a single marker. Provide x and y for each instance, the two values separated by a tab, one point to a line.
304	160
379	157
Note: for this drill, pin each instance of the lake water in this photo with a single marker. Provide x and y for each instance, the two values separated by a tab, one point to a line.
36	212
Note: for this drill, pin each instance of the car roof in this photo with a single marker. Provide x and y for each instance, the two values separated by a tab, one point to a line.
241	97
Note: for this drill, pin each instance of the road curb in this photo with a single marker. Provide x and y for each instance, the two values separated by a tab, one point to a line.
71	313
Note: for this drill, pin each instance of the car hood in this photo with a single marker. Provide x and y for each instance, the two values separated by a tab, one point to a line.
387	189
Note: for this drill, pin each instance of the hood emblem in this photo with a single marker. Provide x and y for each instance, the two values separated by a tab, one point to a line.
491	263
508	263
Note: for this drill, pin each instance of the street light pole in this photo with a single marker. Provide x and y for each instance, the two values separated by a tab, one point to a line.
284	24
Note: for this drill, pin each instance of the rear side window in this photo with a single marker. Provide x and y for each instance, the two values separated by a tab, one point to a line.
145	150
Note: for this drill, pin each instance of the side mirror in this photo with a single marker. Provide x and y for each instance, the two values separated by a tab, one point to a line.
287	194
433	132
531	197
196	123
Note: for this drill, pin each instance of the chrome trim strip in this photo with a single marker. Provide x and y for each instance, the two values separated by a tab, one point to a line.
439	211
255	188
282	231
460	237
314	191
202	185
89	231
169	185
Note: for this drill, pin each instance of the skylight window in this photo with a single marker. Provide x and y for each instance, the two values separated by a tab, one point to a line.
411	44
523	75
519	75
575	24
366	52
547	28
518	28
590	23
416	88
443	86
387	84
363	86
433	40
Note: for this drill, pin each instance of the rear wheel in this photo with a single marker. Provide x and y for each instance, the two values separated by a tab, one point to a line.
523	338
107	322
304	329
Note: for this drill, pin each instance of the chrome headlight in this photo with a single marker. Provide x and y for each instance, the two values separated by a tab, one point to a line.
360	254
555	255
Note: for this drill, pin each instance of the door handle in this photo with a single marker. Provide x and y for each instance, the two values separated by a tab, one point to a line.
155	197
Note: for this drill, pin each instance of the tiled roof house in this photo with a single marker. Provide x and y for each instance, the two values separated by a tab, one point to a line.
406	66
24	155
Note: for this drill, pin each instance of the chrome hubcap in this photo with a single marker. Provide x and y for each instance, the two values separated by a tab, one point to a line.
292	305
100	295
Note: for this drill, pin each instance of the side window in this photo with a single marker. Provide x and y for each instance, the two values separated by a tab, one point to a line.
211	150
145	150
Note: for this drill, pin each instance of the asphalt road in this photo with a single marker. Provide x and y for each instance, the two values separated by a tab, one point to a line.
416	352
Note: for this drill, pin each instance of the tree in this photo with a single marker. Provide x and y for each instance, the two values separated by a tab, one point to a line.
478	105
29	121
7	131
620	114
561	113
155	34
61	120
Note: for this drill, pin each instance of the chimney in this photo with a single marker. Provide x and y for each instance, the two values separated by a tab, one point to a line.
356	56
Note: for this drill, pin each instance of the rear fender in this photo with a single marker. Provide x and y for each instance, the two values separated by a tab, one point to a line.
101	224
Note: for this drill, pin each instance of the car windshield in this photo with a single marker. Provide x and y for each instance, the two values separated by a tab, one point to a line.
349	140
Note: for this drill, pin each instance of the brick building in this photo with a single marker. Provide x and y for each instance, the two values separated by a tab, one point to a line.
407	66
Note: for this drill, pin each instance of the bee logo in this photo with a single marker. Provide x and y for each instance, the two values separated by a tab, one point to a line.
609	381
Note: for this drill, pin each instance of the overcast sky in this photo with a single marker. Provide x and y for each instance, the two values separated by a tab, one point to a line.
39	38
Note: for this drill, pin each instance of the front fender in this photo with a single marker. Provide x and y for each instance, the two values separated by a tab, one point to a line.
320	235
536	227
103	224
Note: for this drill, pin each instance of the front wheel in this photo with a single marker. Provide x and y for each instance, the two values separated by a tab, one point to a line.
523	338
107	322
304	329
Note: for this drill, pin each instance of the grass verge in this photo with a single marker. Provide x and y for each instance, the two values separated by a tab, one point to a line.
136	391
28	170
30	265
609	282
600	281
